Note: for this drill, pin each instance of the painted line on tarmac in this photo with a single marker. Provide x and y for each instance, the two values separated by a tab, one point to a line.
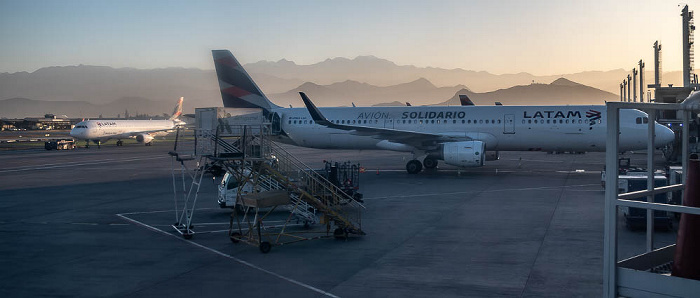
253	266
72	164
159	211
485	191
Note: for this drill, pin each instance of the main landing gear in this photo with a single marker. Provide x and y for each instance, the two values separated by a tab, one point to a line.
414	166
430	162
120	143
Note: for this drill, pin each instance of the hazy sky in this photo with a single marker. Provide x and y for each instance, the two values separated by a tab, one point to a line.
540	37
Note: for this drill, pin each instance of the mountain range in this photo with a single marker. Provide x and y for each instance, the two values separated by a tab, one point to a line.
365	80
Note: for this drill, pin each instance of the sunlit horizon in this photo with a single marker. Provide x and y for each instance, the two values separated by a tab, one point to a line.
500	37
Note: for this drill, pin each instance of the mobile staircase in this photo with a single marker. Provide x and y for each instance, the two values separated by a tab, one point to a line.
282	184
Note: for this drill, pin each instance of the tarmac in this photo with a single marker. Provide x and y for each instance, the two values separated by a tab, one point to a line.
96	223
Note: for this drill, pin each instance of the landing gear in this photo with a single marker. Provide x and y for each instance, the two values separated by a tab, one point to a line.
265	247
87	143
149	144
120	143
414	167
98	144
430	162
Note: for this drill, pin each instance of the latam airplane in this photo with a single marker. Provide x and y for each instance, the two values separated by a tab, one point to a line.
144	131
463	136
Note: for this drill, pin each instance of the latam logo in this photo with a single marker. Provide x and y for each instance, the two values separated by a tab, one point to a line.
593	116
106	124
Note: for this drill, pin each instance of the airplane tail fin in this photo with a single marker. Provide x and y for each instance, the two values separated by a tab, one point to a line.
237	87
178	109
465	101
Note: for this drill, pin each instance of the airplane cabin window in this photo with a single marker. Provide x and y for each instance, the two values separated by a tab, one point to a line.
529	121
523	121
454	121
290	121
535	121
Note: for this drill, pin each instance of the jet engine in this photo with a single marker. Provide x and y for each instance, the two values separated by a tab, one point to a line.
144	138
464	154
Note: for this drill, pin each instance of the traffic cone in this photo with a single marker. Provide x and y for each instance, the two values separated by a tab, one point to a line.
686	261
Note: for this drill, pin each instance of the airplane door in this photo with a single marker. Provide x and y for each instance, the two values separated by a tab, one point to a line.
276	123
508	124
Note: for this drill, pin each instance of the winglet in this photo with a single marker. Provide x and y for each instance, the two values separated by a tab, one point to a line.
313	110
465	101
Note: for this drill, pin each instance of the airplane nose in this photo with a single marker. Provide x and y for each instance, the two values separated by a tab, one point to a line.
664	135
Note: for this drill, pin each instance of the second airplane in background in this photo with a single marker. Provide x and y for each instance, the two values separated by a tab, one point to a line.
144	131
463	136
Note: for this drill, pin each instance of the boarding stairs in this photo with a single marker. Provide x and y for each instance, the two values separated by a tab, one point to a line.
249	151
310	192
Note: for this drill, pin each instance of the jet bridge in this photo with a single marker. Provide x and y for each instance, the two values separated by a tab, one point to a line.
286	200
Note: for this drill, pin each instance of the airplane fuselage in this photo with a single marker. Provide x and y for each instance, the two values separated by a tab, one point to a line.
501	128
119	129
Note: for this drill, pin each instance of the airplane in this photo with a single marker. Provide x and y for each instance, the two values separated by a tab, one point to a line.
144	131
463	136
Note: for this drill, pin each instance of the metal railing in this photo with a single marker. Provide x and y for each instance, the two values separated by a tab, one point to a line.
618	280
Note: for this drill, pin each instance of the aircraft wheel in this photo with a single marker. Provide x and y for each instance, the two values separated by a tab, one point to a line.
414	167
340	234
119	143
265	247
430	162
187	236
235	237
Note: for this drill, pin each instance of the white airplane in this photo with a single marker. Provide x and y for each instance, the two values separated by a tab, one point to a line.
463	136
144	131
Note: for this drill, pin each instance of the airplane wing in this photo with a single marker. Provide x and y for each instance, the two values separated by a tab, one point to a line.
419	140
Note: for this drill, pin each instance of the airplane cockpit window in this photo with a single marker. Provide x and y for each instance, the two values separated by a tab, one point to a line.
641	120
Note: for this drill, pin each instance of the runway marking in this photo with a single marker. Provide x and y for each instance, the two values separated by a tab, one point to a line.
251	265
159	211
72	164
485	191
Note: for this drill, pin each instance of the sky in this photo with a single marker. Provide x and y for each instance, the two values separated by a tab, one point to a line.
545	37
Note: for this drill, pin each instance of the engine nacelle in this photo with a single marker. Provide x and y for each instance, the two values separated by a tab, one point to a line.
464	154
144	138
492	155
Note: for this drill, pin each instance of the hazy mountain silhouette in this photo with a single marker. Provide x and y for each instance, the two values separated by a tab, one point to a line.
382	72
365	80
362	94
559	92
23	107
